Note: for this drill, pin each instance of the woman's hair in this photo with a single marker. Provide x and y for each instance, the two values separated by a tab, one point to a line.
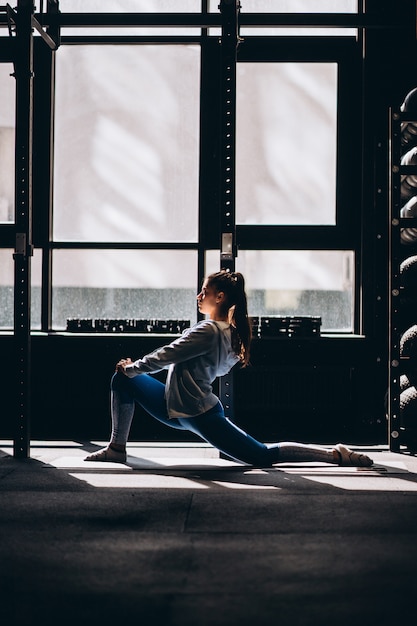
232	284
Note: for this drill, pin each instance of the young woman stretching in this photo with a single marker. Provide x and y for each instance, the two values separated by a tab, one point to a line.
187	402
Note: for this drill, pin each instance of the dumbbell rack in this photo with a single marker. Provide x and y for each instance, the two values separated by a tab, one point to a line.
396	255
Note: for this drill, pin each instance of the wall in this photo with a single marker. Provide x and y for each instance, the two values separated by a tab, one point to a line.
322	390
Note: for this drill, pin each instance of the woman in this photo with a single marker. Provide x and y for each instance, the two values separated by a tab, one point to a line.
187	402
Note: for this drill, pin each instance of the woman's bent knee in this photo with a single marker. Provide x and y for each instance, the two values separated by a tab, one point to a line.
118	381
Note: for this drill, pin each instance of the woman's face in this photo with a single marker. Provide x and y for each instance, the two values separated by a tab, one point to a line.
208	299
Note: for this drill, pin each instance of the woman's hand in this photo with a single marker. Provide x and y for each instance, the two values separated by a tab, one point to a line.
121	365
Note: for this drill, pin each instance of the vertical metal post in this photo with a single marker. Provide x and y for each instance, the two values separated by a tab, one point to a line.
229	42
394	284
23	220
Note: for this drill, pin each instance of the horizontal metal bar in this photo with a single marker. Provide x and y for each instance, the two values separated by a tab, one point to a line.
318	20
126	20
212	20
295	237
244	51
119	245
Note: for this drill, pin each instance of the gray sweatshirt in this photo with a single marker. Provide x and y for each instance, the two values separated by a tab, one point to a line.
194	361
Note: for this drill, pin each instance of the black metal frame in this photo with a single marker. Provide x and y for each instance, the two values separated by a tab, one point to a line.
229	42
21	22
23	72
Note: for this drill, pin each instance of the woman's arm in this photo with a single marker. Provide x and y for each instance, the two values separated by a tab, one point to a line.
194	342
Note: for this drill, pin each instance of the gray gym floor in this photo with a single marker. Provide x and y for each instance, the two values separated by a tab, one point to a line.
181	537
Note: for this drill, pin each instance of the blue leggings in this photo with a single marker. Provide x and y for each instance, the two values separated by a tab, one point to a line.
213	426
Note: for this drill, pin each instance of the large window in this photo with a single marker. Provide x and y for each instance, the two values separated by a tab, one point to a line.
127	171
132	220
127	143
286	143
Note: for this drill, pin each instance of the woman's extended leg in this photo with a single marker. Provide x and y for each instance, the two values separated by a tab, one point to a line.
220	432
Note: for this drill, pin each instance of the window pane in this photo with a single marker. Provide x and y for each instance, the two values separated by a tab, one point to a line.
7	140
126	152
7	289
36	294
124	284
212	261
286	143
130	6
300	282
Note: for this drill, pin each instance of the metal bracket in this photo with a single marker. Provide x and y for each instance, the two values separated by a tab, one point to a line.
22	248
227	249
47	38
